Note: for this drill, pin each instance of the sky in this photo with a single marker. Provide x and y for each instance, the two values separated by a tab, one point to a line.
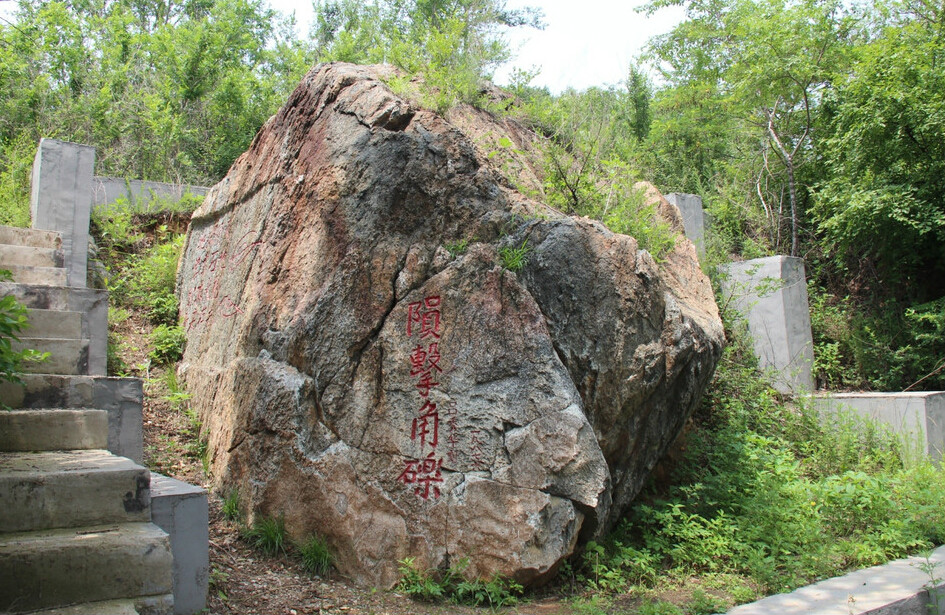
585	42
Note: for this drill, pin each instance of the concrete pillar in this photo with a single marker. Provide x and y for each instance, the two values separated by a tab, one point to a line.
690	206
180	510
917	417
61	200
772	294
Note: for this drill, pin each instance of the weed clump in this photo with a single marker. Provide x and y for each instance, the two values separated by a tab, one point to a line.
316	556
268	535
452	586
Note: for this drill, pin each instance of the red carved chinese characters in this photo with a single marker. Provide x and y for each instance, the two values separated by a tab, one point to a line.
423	322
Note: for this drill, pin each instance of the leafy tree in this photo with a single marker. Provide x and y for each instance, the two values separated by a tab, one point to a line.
881	207
746	80
170	90
454	44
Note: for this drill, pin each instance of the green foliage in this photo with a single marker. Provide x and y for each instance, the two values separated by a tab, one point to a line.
514	259
771	495
167	344
13	320
316	556
882	203
703	603
168	91
16	164
148	281
887	347
453	45
231	506
267	534
659	607
452	585
591	162
176	396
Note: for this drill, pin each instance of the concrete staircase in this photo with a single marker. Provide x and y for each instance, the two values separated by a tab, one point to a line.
75	530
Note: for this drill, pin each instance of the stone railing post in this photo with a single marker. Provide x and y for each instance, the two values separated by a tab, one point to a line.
772	295
690	207
61	200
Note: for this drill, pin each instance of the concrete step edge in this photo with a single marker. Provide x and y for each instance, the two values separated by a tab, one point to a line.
66	355
20	236
42	276
55	568
53	429
60	489
28	256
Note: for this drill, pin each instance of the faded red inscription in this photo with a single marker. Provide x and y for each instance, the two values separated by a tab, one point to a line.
216	252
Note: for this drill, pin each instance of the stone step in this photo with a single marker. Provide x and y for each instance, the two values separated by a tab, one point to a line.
45	276
51	324
66	356
120	397
151	605
17	236
91	303
28	256
59	489
63	567
53	429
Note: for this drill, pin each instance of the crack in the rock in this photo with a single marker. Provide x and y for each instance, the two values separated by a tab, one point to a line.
211	217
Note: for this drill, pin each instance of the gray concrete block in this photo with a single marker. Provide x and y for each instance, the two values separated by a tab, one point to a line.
16	236
772	295
55	568
180	510
120	397
28	256
690	207
92	303
65	356
896	588
107	190
53	429
53	324
61	199
918	417
59	489
45	276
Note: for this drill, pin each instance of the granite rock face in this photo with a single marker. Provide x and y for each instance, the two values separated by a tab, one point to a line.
366	367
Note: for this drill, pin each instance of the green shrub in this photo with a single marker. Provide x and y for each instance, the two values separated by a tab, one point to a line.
773	493
452	585
316	556
267	534
13	320
16	165
167	344
149	281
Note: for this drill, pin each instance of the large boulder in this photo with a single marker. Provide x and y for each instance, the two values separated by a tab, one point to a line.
367	368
